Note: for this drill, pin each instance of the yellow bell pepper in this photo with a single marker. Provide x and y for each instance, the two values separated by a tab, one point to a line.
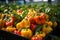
31	13
26	33
10	29
2	23
23	24
55	24
40	34
46	29
50	23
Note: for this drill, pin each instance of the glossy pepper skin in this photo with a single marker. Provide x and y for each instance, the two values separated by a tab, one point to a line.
32	21
40	34
26	33
36	38
33	27
41	18
23	24
11	22
17	32
2	23
47	29
10	29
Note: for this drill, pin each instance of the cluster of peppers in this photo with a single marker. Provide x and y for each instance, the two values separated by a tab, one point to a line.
34	26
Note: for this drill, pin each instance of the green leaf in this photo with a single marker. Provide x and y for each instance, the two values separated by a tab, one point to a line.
17	16
24	13
38	28
16	22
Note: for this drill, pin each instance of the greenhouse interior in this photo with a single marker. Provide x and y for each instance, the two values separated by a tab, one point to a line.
29	19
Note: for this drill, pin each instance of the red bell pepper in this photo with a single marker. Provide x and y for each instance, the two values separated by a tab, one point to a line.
11	22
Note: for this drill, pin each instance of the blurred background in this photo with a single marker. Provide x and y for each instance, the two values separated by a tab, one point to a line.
29	1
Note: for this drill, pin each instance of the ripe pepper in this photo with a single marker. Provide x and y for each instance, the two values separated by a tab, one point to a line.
10	29
26	33
33	27
55	24
47	29
36	38
40	34
16	32
32	21
40	19
19	12
50	23
37	19
43	17
2	23
31	13
11	22
23	24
